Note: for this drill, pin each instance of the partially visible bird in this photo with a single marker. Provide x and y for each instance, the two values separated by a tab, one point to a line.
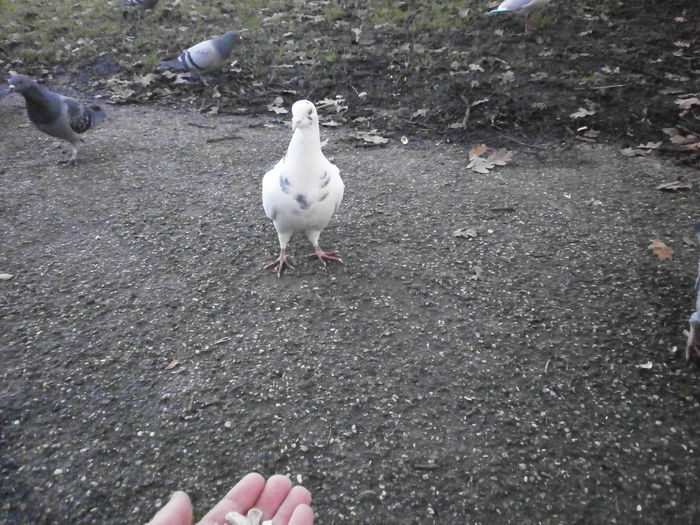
303	191
692	349
62	117
141	5
205	56
525	7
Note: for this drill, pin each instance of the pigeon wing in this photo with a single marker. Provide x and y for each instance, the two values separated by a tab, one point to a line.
81	117
203	56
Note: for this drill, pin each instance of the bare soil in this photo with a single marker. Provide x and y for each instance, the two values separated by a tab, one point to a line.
525	375
495	379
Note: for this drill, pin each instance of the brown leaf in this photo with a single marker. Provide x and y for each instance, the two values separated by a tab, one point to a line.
477	151
500	157
660	249
683	139
172	364
480	165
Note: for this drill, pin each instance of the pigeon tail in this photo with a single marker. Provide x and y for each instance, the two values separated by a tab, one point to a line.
141	4
98	115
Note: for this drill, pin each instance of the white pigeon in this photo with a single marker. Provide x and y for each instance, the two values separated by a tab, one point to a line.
205	56
62	117
303	191
525	7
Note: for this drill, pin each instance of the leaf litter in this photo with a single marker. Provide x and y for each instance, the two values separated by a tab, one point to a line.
494	157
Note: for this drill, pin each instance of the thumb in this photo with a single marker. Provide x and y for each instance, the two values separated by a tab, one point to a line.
178	511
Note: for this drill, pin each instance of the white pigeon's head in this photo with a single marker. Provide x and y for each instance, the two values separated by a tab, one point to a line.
21	83
303	114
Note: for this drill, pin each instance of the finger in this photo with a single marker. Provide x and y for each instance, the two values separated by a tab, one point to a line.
178	511
297	496
239	499
276	490
302	515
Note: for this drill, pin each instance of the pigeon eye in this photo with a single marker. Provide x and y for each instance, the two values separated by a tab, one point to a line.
311	111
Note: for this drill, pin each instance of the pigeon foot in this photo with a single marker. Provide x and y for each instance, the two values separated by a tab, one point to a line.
280	263
325	256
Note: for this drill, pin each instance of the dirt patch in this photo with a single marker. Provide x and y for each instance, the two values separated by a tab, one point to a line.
437	70
487	380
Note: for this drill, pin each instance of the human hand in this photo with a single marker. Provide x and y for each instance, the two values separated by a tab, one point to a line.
275	497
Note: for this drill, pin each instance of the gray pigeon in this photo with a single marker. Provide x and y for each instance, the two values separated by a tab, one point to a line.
56	115
692	349
141	5
525	7
205	56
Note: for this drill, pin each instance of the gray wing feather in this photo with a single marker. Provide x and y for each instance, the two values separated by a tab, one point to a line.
81	117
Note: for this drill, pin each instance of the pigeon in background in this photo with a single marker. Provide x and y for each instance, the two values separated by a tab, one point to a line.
56	115
141	5
205	56
525	7
692	349
303	191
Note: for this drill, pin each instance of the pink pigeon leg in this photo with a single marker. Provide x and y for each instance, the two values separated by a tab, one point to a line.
325	256
280	263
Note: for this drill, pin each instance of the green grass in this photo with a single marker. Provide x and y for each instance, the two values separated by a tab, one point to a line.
38	33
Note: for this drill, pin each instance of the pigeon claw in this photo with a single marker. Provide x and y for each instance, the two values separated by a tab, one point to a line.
280	264
325	256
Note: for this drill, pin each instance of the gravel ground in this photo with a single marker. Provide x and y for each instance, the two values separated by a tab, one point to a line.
430	378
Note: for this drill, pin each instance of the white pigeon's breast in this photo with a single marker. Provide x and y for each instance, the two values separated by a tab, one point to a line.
295	207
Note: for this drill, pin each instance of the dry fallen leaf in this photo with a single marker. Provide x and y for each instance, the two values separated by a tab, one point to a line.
172	364
590	135
495	157
480	165
477	150
582	112
500	157
370	137
276	106
660	249
467	233
675	185
337	103
633	152
686	103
